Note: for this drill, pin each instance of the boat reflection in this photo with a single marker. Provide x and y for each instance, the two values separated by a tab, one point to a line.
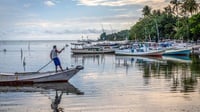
81	58
180	59
138	59
178	70
65	87
59	89
137	62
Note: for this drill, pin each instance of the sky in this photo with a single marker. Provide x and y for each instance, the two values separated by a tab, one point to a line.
69	19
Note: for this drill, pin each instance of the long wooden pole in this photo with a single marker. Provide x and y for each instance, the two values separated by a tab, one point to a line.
44	66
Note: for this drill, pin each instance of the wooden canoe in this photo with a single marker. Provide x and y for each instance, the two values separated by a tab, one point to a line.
38	77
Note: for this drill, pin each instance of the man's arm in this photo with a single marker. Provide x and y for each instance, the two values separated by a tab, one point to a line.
60	50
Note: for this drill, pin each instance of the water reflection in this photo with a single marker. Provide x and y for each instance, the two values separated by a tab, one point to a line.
179	70
42	87
56	102
181	73
58	88
180	59
137	62
81	58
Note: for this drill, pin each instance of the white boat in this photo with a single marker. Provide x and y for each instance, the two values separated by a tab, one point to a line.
91	49
176	48
140	50
39	77
129	52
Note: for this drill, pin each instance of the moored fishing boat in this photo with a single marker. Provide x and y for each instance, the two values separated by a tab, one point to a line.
128	52
90	49
39	77
140	50
176	48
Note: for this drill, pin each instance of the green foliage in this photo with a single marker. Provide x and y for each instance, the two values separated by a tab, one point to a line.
172	23
122	35
194	22
103	36
183	31
145	29
137	31
146	10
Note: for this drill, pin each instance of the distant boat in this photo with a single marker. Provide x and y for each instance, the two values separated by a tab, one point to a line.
39	77
80	48
86	55
88	41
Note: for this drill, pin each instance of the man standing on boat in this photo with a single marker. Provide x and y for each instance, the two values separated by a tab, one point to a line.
54	56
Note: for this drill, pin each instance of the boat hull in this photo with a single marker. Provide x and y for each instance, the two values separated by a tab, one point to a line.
83	51
149	53
43	77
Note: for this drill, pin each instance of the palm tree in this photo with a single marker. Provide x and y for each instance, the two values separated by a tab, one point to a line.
176	4
168	10
156	12
146	10
191	6
184	10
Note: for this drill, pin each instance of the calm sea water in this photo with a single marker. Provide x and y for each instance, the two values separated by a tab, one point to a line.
108	83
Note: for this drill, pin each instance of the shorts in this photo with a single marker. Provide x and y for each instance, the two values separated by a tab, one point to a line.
56	61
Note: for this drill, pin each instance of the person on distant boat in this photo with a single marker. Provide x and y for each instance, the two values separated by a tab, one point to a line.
54	56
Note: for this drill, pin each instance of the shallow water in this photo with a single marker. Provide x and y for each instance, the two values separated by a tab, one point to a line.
108	83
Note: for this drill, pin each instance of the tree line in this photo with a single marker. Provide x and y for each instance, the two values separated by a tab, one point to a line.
178	20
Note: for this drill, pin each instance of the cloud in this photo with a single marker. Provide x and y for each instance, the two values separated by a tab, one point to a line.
154	3
90	26
15	21
49	3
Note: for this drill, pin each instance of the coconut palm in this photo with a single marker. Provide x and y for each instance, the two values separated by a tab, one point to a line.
191	6
146	10
168	10
183	9
176	4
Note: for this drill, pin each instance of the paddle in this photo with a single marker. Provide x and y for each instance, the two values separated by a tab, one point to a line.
47	63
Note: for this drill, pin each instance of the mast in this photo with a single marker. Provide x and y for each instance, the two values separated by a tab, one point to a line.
157	30
113	33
